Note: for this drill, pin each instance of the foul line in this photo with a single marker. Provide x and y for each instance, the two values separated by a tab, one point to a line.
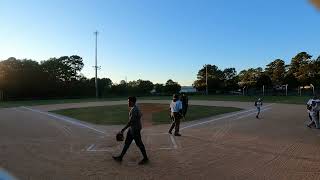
223	117
173	142
65	119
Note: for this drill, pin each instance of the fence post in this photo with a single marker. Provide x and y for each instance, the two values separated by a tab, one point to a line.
311	85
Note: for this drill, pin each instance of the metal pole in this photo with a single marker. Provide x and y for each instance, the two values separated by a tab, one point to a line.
286	89
300	90
312	88
262	90
96	65
207	79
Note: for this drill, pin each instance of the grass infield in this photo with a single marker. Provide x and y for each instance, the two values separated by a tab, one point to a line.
118	114
194	112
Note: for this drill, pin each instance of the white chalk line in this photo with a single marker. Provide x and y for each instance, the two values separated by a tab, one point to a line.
92	147
173	142
64	119
223	117
16	109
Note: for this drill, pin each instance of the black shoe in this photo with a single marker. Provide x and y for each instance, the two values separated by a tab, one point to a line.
170	132
308	126
177	134
143	161
257	117
117	158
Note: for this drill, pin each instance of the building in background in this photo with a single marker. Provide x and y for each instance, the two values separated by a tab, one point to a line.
188	89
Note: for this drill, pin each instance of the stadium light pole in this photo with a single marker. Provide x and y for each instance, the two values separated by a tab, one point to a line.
96	66
206	79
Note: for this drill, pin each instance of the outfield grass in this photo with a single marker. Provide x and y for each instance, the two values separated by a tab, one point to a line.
273	99
7	104
194	112
239	98
110	115
118	114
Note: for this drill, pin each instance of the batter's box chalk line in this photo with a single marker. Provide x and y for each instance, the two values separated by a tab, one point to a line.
94	148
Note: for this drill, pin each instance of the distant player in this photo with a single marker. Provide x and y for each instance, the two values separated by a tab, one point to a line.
258	104
309	107
314	112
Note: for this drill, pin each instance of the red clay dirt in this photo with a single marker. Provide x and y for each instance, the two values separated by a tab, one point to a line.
34	145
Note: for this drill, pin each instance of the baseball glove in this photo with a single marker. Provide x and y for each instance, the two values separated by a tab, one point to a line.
119	136
309	107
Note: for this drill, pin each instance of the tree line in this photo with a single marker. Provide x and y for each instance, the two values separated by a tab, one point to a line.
61	78
303	70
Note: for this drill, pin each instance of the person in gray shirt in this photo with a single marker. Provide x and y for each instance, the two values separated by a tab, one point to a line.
133	133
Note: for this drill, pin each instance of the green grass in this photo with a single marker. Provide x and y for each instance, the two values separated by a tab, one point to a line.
118	114
7	104
273	99
194	112
111	115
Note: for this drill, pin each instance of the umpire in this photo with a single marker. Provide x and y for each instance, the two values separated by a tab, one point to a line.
133	133
176	114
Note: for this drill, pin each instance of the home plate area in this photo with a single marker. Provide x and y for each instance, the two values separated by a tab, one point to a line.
152	142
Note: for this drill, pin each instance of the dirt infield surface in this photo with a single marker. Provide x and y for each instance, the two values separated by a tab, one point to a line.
35	144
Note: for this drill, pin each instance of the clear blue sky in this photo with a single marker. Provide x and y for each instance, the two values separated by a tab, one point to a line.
159	39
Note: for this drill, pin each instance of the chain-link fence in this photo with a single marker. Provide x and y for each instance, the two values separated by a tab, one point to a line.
299	91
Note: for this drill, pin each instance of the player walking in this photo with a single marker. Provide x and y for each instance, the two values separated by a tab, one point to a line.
258	104
133	133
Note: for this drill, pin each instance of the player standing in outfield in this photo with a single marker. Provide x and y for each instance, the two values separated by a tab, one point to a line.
176	114
133	133
184	100
314	112
309	107
258	104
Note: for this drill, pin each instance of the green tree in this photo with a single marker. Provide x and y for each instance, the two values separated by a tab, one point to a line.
159	88
172	87
215	79
230	79
276	70
299	67
249	77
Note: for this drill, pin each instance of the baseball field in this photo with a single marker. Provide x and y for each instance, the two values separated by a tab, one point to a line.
53	142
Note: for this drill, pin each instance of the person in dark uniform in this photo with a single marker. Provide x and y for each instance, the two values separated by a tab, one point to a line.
133	133
184	100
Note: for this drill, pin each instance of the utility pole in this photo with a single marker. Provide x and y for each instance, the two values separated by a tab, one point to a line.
206	79
96	66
